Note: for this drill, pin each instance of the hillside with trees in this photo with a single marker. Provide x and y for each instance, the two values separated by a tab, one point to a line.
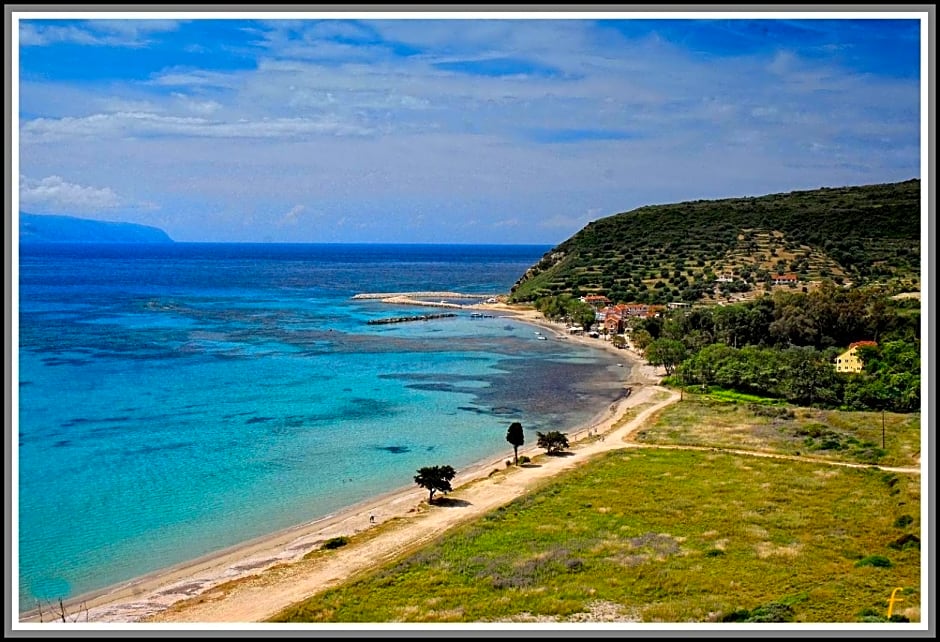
784	346
730	250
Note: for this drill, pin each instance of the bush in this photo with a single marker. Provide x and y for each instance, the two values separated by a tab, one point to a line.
814	430
524	459
903	521
335	542
768	613
905	542
773	612
879	561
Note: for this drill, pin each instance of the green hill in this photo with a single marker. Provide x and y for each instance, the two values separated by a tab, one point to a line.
711	250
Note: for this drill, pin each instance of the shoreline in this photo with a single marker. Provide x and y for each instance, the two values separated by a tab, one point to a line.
155	596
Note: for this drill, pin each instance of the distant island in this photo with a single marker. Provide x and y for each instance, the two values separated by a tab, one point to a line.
44	228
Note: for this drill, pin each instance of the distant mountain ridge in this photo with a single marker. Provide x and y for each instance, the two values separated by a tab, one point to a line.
713	251
48	228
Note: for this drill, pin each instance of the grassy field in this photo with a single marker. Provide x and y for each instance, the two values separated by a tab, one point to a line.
656	535
822	434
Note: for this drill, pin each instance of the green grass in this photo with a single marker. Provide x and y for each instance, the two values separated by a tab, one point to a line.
721	394
823	434
661	536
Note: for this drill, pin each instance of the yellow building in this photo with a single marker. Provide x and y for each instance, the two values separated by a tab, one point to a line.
849	361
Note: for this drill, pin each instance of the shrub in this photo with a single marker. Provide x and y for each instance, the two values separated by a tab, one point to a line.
905	542
524	459
336	542
903	521
768	613
814	430
773	612
737	616
879	561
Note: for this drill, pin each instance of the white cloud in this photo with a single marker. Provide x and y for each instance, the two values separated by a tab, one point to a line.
196	106
101	33
54	194
134	124
38	36
291	217
175	77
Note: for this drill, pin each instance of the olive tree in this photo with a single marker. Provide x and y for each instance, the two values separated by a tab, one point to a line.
553	442
435	478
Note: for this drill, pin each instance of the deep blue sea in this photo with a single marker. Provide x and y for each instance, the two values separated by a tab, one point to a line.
178	399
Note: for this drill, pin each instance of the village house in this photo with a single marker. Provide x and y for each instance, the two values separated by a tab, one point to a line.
612	317
636	309
596	300
786	279
849	361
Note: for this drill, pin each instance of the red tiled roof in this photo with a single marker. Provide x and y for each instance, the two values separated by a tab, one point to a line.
859	344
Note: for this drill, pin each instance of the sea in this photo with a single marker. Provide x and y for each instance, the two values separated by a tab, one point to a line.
178	399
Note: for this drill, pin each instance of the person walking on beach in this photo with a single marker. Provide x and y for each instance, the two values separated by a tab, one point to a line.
372	518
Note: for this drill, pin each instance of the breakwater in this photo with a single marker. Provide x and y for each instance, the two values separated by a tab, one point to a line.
422	317
422	295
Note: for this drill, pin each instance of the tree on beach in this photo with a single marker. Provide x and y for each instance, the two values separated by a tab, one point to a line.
582	314
553	442
435	478
516	437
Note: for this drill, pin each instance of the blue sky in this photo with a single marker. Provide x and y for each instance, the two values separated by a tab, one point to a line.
464	130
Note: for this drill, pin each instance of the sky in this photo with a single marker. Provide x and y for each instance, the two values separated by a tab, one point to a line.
231	128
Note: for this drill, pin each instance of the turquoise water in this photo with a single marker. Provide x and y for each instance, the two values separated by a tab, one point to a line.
177	400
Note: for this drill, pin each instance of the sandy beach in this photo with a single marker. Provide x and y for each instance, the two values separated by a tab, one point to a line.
253	581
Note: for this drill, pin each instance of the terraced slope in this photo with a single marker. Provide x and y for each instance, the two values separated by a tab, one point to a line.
711	250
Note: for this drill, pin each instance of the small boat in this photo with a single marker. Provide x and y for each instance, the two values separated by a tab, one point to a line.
541	338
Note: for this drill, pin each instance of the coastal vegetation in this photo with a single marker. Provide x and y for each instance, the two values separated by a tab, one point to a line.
718	250
435	478
682	529
784	346
553	441
566	307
